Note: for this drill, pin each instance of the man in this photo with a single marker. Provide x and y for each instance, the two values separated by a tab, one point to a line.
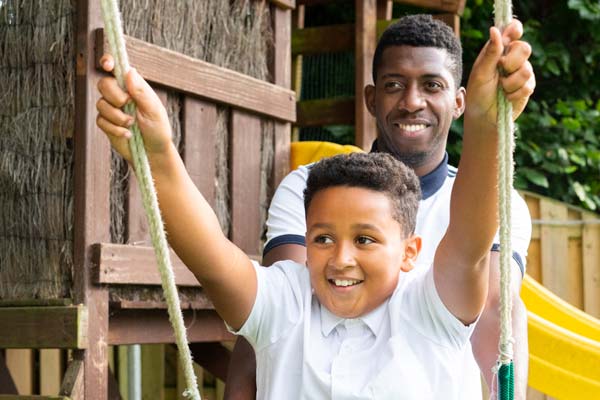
416	95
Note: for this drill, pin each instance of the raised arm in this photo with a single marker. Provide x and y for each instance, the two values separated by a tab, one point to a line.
462	259
193	230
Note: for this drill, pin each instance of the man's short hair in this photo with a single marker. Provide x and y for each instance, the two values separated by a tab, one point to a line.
421	30
375	171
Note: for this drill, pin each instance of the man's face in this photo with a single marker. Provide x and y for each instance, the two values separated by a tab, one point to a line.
355	249
414	101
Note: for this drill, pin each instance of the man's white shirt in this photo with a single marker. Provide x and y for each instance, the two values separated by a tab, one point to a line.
286	225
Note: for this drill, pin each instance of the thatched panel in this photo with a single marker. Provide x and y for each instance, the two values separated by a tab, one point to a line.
37	79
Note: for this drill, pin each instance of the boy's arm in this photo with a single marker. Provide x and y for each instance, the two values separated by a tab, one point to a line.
193	230
462	258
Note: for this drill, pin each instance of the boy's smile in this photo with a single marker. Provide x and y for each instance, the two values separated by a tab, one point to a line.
355	249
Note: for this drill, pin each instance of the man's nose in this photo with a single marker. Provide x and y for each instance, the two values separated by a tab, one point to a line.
412	99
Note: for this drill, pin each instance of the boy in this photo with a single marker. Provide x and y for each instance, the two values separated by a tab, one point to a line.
411	328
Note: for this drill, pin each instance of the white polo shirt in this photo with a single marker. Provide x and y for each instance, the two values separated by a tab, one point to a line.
286	225
410	347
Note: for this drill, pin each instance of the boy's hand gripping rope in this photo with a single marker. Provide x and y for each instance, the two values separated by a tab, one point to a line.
114	33
504	368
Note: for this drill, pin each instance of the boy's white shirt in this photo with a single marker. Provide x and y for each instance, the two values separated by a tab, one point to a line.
410	347
287	221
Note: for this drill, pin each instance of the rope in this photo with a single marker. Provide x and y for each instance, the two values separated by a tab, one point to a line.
504	368
114	32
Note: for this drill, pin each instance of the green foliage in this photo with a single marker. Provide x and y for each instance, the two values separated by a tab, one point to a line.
558	147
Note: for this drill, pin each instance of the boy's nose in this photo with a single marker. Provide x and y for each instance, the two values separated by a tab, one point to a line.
343	257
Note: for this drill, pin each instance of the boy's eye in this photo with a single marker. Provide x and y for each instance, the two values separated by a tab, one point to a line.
364	240
323	239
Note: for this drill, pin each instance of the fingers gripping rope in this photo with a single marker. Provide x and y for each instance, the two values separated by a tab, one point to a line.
114	33
504	368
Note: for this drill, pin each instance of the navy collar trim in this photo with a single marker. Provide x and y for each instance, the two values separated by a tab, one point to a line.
433	181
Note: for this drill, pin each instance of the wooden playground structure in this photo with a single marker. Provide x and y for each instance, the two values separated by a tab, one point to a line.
61	348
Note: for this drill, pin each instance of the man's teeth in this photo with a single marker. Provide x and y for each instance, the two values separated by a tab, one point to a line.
343	282
412	128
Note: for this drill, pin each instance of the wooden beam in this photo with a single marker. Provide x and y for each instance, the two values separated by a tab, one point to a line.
122	264
384	9
311	40
337	111
20	363
284	4
203	79
72	384
244	166
44	327
452	6
153	326
135	265
91	191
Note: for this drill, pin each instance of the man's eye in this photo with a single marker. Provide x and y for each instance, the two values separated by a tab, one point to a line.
364	240
393	85
322	239
433	86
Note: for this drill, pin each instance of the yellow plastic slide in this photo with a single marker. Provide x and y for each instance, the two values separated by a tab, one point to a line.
564	342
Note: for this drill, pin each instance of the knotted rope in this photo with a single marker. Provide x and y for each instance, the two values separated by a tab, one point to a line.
504	368
114	33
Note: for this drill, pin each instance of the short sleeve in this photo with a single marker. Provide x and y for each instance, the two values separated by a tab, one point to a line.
422	309
278	304
520	231
285	220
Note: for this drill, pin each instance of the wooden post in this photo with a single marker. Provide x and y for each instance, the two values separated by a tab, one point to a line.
384	9
298	21
51	368
366	36
281	64
20	364
91	204
555	248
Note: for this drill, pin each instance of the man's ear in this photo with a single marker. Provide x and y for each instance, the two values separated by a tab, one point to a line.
370	99
412	248
459	103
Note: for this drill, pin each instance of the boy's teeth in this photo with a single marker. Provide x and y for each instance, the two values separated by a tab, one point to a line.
412	128
343	282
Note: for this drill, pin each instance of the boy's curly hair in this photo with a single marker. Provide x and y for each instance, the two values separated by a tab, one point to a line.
375	171
421	30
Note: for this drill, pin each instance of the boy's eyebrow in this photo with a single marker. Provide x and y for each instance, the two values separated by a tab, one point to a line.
430	75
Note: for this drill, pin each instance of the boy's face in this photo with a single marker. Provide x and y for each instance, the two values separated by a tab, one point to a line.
355	249
414	101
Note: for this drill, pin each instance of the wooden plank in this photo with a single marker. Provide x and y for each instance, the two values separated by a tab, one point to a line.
135	265
123	378
14	397
555	249
384	9
43	327
453	6
91	202
153	326
575	273
245	158
51	368
284	4
72	385
310	40
281	71
450	19
366	38
199	142
153	372
206	80
20	364
336	111
7	385
591	266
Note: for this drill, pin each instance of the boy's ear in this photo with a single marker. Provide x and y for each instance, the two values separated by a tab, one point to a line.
412	248
370	99
459	102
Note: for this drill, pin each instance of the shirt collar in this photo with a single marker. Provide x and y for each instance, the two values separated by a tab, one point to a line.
431	182
372	320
